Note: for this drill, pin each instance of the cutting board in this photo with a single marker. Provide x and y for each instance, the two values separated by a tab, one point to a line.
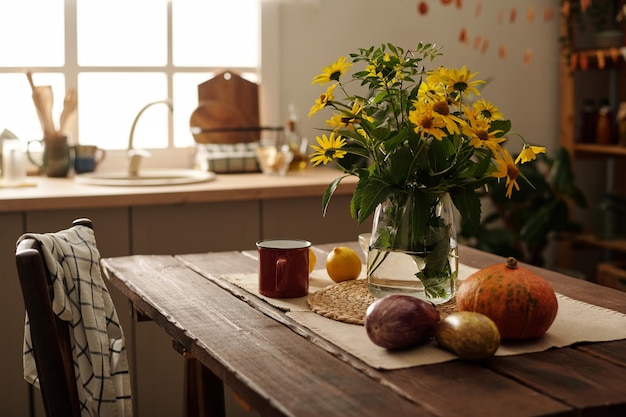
230	88
229	103
219	122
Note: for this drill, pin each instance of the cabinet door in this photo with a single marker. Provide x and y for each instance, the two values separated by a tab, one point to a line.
110	225
195	228
301	218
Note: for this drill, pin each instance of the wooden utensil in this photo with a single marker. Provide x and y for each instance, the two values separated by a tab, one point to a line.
70	103
43	99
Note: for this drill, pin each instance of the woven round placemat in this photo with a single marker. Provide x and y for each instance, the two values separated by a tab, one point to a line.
347	302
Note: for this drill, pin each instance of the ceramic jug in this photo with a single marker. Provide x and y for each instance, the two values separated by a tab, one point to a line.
56	160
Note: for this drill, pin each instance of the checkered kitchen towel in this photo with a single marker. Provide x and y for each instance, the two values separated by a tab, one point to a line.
82	299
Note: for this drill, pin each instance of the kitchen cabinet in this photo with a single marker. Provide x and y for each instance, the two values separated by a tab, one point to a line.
227	215
597	76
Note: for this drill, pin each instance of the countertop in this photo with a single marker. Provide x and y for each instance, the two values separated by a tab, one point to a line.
65	193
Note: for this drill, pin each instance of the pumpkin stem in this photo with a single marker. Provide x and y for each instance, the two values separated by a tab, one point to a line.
511	263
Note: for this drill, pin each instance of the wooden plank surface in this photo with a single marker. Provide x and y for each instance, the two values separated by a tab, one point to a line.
269	366
463	381
243	345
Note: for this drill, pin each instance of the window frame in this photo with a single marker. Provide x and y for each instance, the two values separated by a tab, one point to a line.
267	72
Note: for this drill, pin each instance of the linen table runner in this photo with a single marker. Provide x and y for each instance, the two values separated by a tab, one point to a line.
576	321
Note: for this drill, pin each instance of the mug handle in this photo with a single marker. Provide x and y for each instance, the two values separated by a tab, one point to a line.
99	156
280	280
30	157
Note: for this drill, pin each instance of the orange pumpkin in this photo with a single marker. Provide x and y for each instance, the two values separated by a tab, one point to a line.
521	303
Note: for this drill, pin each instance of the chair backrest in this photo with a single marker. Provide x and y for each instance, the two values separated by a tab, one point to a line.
50	336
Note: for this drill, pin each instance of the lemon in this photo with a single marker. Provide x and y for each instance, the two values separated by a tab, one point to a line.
343	264
312	260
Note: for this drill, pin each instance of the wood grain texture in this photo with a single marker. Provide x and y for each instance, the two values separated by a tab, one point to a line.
268	365
281	368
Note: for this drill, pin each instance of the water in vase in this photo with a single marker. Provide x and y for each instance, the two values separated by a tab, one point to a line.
402	272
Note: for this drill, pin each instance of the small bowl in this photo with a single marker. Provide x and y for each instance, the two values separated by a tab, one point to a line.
274	160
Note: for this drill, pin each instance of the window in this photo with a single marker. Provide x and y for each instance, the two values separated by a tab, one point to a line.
120	55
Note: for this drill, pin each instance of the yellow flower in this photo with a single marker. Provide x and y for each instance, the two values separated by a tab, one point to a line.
442	110
477	131
372	70
347	119
529	153
328	149
353	117
430	93
333	72
335	122
438	76
487	111
460	82
426	123
323	100
505	168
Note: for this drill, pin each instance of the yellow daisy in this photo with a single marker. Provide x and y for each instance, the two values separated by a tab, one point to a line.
529	153
333	72
477	130
430	93
323	100
487	111
335	122
505	168
442	110
460	81
329	148
440	75
426	123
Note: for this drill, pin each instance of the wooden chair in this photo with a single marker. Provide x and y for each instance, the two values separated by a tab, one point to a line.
50	335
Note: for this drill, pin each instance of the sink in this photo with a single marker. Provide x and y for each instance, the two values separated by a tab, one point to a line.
148	177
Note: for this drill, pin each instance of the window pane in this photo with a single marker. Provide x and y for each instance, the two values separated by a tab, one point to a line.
109	102
122	32
216	33
32	33
17	110
185	102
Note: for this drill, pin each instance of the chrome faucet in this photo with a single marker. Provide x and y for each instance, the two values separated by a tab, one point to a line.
135	155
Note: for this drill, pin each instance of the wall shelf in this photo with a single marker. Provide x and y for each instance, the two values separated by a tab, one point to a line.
604	150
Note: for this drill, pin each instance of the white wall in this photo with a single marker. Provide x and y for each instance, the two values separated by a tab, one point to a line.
314	33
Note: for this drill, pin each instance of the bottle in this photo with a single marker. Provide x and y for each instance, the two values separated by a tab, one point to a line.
609	217
588	122
604	128
297	143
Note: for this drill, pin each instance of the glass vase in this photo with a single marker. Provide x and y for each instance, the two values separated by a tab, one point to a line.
413	247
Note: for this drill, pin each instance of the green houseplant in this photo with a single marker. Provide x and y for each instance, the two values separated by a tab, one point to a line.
522	226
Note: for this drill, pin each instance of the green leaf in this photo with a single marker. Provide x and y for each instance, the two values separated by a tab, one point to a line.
441	155
467	202
503	125
328	193
369	193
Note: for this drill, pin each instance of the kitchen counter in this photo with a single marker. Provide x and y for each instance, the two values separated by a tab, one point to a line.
64	193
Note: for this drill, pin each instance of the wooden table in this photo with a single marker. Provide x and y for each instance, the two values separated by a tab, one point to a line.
281	369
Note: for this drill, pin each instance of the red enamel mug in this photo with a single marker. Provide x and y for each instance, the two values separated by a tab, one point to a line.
283	267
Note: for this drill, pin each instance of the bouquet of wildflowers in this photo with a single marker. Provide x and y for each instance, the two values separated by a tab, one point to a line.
419	130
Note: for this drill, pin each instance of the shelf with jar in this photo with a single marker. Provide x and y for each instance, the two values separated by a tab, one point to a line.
593	127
